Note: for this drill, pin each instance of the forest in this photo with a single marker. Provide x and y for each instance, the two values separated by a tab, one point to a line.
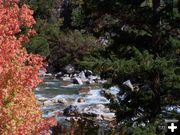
131	44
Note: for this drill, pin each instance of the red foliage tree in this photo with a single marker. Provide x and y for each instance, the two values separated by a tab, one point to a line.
19	113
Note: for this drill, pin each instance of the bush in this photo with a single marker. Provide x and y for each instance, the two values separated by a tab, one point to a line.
37	45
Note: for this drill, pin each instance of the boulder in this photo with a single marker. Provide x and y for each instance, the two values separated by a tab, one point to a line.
42	99
59	99
39	103
129	84
90	81
96	109
59	75
80	100
91	77
71	111
108	116
88	73
69	69
66	78
82	76
74	119
48	103
62	100
77	80
48	75
101	81
66	75
75	75
99	111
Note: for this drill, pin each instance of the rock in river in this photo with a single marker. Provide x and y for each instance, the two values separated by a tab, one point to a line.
77	80
80	100
59	99
48	103
42	99
71	111
69	69
82	76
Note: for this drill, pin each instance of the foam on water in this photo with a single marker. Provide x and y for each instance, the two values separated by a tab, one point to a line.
114	90
173	108
73	96
93	97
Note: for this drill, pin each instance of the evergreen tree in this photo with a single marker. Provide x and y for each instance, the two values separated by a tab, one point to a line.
144	44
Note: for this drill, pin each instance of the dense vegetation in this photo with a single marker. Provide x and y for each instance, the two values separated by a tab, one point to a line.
120	40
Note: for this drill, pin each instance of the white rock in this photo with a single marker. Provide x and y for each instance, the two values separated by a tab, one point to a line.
48	103
62	100
48	75
79	81
69	69
39	103
91	77
75	75
66	78
108	116
96	109
80	100
90	81
129	84
66	75
82	76
101	81
42	99
59	99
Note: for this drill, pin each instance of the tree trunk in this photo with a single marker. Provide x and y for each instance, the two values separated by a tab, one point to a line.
156	89
155	25
155	43
156	16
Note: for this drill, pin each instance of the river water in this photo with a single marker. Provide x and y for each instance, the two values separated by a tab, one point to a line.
93	103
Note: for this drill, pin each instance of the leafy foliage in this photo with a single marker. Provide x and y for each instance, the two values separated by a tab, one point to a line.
19	113
37	45
47	26
78	14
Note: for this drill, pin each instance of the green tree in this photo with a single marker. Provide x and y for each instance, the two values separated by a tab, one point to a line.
70	48
37	45
47	26
144	49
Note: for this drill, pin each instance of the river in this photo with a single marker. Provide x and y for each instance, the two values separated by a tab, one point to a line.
93	116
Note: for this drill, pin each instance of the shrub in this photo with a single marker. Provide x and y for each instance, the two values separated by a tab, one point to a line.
37	45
